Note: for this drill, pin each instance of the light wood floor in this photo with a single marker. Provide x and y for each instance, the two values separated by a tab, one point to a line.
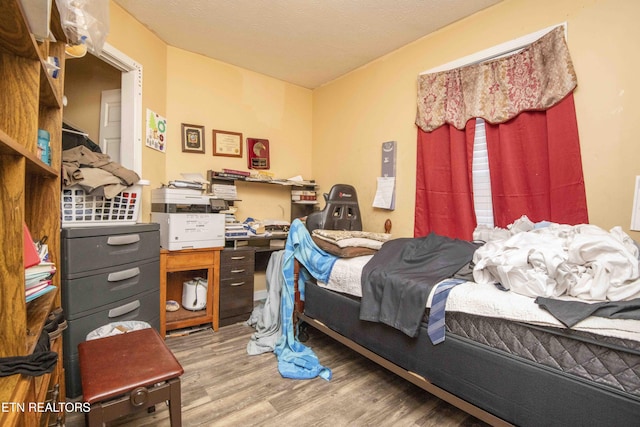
223	386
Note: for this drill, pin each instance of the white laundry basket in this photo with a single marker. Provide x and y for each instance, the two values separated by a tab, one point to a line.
79	209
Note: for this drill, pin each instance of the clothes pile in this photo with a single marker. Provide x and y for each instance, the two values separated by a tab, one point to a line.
95	172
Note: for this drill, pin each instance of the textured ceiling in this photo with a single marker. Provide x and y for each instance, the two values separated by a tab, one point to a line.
304	42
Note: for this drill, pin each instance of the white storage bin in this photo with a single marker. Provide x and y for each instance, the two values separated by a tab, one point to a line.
79	209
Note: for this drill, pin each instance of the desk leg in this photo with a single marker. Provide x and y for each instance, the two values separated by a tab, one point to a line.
214	273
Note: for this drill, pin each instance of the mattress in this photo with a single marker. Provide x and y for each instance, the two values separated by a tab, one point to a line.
525	374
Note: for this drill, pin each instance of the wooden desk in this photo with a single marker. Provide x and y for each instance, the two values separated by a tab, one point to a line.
177	267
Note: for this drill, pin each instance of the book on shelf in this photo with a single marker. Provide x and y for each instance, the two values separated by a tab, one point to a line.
236	172
41	292
31	256
37	288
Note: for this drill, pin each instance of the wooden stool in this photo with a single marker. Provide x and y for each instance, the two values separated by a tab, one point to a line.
122	374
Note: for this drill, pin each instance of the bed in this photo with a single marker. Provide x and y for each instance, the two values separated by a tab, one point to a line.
504	359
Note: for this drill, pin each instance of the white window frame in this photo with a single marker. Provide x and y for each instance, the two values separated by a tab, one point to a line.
131	133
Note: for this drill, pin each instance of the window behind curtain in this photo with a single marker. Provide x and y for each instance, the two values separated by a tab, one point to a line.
481	177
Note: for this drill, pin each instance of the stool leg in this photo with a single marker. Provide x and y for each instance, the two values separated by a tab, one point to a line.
175	403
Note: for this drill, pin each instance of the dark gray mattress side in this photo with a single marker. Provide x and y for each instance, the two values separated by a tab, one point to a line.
523	392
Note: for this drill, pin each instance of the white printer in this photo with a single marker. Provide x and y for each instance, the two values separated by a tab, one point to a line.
188	219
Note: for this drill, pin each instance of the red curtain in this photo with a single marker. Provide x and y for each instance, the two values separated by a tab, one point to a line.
536	167
444	195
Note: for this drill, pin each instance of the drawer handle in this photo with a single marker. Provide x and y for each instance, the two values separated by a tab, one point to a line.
123	240
124	309
123	275
242	270
237	258
237	284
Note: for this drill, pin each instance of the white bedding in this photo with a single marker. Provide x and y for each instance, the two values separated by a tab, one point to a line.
486	300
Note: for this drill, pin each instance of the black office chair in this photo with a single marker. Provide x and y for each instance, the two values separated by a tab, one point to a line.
341	211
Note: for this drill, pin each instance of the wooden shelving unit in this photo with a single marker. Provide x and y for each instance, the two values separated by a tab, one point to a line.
29	193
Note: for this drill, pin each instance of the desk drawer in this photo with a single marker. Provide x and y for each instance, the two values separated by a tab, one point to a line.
236	298
83	294
190	260
236	262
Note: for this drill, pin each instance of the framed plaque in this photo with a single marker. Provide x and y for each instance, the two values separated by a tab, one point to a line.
192	138
257	153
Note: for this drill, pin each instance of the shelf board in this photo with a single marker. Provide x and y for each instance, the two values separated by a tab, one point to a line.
15	37
8	146
37	312
183	318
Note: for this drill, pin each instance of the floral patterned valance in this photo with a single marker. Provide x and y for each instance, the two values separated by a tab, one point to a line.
536	78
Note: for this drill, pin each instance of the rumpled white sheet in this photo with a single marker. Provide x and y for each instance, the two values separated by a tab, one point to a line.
582	261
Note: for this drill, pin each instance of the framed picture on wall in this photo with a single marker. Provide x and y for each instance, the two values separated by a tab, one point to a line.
228	144
192	138
257	153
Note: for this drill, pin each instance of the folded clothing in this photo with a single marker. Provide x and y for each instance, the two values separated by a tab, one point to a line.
352	238
40	362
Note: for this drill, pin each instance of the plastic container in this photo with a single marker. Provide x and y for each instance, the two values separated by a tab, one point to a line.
79	209
44	147
194	294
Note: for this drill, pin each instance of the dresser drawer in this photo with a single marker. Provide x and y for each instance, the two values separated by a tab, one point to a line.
143	307
87	249
84	293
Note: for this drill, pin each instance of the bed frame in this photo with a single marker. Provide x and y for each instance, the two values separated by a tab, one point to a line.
541	393
423	383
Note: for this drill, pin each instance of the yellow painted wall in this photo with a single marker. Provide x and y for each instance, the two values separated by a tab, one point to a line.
354	114
216	95
137	42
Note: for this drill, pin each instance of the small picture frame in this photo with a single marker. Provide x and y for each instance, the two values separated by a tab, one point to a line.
192	138
227	144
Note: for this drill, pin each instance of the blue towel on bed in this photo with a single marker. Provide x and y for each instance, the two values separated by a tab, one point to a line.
295	360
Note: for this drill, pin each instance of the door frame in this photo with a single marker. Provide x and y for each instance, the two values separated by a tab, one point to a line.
131	85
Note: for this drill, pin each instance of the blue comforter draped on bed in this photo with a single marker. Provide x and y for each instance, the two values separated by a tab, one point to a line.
295	360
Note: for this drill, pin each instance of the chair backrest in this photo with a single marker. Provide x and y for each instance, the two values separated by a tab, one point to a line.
341	211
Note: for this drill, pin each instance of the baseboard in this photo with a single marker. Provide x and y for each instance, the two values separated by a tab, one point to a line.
260	295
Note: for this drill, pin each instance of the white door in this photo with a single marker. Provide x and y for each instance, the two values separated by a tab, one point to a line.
110	123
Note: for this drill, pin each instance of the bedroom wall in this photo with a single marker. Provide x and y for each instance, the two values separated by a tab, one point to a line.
221	96
354	114
137	42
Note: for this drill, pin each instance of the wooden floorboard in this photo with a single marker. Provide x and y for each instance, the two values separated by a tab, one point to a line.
223	386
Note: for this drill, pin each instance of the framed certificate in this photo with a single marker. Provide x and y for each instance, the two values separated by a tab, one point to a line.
228	144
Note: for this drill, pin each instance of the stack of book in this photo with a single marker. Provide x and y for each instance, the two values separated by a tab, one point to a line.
224	191
228	174
38	270
235	230
38	280
303	196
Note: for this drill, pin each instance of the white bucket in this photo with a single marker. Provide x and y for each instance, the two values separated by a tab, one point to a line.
194	294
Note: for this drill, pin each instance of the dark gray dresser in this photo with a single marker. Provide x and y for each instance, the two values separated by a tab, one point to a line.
236	284
108	274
